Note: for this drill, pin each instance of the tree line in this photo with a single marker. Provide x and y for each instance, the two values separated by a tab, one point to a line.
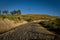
12	12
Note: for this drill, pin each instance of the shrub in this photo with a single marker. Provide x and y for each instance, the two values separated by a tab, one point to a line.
29	19
53	25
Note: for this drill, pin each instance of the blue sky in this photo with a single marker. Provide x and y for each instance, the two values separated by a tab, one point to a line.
51	7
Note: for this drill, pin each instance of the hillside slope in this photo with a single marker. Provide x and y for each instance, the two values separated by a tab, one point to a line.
7	24
39	17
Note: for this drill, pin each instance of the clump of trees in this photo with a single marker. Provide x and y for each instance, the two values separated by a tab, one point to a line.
14	15
5	11
14	12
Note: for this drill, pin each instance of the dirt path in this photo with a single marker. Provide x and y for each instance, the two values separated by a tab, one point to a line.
26	32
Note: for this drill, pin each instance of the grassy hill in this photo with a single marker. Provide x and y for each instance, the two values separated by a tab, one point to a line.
29	16
9	21
38	17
